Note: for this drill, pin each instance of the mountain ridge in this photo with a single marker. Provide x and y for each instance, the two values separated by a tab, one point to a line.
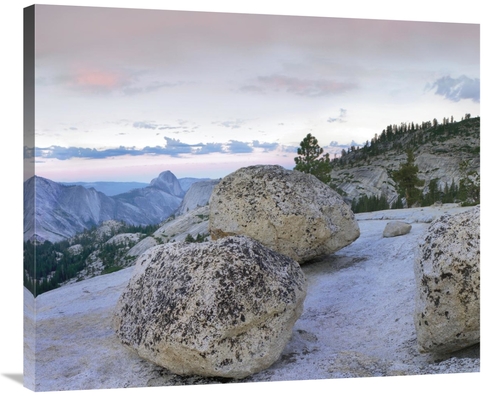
112	188
108	188
439	150
55	211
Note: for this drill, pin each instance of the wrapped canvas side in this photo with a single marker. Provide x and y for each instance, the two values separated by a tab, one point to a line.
29	207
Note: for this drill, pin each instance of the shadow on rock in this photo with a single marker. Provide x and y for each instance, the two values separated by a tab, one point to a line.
330	264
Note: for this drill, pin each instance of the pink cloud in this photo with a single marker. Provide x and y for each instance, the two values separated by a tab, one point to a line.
98	81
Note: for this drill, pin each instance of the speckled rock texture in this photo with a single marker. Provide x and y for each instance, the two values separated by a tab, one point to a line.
396	228
447	276
291	212
223	308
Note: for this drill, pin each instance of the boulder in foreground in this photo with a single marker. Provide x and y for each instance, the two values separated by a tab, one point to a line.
291	212
447	276
217	309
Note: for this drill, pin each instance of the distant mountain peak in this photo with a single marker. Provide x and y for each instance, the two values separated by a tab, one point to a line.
53	211
166	181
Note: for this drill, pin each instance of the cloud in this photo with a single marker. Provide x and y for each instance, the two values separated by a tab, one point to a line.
252	89
233	124
336	144
171	127
172	148
65	153
456	89
161	127
152	87
289	149
209	148
95	80
340	118
236	147
144	125
266	146
305	87
91	81
354	144
98	80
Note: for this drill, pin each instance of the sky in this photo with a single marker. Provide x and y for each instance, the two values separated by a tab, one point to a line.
123	94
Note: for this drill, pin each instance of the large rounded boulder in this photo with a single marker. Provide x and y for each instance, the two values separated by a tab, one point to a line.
224	308
447	275
291	212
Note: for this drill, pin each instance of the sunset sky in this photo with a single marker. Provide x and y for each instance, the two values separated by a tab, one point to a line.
123	94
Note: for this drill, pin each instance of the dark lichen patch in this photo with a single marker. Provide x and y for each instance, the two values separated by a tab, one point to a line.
446	275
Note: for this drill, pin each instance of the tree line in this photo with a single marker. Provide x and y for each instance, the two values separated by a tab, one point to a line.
450	193
311	160
49	264
404	137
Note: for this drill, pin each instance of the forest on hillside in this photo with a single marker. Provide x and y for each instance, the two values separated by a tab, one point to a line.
409	136
404	138
48	264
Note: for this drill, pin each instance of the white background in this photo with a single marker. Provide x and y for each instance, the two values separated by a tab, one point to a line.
480	11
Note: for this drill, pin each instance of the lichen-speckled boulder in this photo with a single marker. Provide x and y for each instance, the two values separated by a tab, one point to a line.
291	212
223	308
447	277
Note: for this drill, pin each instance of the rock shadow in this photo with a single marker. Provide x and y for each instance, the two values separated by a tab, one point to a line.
331	264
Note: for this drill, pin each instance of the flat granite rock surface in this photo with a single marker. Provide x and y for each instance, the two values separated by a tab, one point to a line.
357	322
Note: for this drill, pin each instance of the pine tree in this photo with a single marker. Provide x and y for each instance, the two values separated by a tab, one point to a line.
309	160
407	180
189	239
469	185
